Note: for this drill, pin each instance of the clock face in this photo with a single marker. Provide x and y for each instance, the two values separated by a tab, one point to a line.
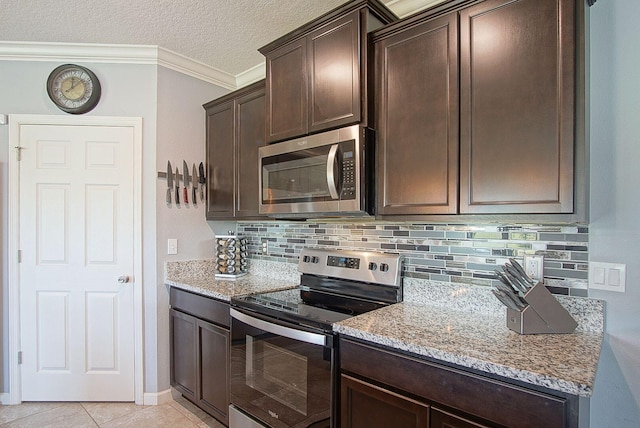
74	89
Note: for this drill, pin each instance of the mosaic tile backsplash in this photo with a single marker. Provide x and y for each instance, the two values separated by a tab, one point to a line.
462	254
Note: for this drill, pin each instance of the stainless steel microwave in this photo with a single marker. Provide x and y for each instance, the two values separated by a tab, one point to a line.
318	175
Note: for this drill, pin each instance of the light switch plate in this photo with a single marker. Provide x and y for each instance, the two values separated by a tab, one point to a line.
607	276
172	246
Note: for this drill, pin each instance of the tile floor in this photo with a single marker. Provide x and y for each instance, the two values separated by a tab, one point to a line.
178	413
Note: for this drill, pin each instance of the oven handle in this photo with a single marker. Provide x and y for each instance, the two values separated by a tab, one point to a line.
270	327
331	175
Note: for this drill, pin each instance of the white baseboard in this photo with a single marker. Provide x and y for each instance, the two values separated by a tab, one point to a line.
157	398
150	398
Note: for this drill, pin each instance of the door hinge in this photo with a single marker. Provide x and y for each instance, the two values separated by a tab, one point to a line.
19	256
19	357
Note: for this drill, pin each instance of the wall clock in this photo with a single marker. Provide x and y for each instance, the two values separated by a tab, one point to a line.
73	89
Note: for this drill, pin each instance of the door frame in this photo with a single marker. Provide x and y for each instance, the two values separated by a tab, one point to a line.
15	122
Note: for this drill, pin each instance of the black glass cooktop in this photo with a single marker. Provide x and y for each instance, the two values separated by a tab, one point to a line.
305	307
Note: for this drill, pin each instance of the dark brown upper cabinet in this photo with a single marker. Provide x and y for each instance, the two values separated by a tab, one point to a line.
517	89
480	111
317	75
235	131
417	125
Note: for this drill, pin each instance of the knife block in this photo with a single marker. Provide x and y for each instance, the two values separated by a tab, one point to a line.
543	314
231	257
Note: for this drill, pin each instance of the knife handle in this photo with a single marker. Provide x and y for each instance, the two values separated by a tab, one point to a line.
169	196
185	195
177	195
193	196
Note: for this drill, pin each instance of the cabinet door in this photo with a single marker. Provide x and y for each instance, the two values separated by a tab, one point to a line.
363	405
417	119
213	366
517	64
442	419
220	166
334	79
250	135
287	97
183	353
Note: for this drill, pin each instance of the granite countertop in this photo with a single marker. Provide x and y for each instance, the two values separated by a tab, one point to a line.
465	326
562	362
198	276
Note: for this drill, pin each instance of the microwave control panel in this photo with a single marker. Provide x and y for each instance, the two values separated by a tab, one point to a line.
348	170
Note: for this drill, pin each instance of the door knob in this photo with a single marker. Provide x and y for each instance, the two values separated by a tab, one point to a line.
123	279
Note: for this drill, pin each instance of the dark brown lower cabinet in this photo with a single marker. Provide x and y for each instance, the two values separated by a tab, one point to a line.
383	388
442	419
365	406
213	344
183	353
200	351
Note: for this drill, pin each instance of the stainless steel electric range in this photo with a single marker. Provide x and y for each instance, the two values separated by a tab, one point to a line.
283	349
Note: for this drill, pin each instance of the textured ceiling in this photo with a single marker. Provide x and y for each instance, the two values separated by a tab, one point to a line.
224	34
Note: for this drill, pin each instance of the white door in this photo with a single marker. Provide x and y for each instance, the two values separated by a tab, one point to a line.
76	239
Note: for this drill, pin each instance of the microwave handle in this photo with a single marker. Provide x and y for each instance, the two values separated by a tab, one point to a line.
331	177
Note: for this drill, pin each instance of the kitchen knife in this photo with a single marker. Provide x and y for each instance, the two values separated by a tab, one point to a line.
201	180
515	276
504	299
185	180
511	295
169	182
519	284
194	174
177	187
520	269
509	282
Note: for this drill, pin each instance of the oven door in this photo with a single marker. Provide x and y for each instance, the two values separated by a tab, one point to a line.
280	376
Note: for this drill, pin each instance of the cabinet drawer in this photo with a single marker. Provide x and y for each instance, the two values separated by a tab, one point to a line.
364	405
206	308
485	398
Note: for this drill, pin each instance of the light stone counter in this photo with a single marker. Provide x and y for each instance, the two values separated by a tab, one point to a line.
477	337
198	276
465	326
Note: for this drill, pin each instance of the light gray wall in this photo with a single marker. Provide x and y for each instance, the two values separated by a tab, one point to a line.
173	126
615	203
181	136
127	90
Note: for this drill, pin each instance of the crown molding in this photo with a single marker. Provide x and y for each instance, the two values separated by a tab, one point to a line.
404	8
251	75
116	54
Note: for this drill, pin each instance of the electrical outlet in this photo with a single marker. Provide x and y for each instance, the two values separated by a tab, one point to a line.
265	247
534	267
172	246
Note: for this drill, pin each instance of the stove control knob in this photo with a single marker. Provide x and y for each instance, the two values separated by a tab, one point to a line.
314	259
384	267
373	266
306	259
